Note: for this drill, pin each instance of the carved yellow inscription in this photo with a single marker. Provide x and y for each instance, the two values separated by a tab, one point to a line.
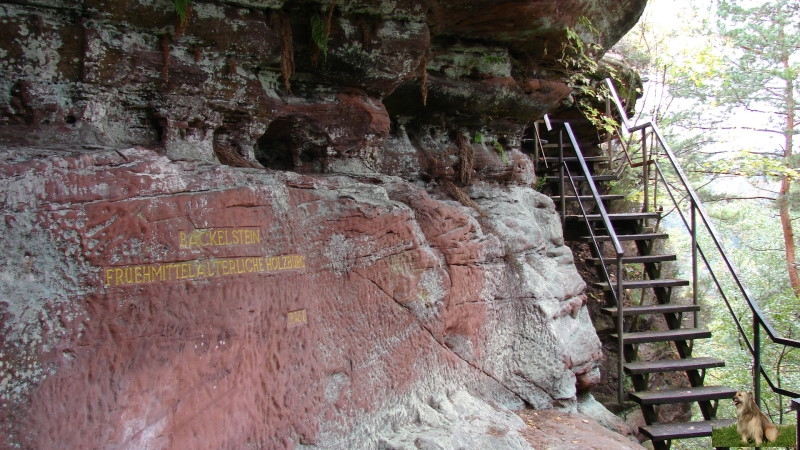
219	237
296	318
201	268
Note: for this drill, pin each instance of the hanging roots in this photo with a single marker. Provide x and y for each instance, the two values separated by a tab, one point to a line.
423	75
287	53
466	155
230	157
329	20
165	50
454	191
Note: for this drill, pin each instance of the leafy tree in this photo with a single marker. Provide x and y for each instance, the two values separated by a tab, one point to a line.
727	80
765	77
723	88
754	73
750	241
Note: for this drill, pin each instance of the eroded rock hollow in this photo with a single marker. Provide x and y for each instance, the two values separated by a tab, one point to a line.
270	224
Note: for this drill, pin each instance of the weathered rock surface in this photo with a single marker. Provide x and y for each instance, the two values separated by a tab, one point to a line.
376	271
157	304
559	430
236	73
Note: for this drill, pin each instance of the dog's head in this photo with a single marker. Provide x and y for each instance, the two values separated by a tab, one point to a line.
742	399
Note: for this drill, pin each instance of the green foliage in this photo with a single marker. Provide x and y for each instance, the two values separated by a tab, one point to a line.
541	182
729	437
477	138
765	37
494	59
498	147
182	8
579	62
748	163
744	94
319	34
578	57
588	96
751	241
628	185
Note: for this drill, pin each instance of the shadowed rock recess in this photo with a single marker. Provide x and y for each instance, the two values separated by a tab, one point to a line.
279	224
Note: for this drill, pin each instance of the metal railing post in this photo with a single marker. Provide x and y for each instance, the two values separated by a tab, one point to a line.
796	407
561	177
654	153
537	144
609	138
620	329
655	184
645	172
618	250
756	360
694	259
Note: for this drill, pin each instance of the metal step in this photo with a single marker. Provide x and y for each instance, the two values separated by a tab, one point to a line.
685	430
682	395
567	143
651	309
645	284
572	198
672	365
592	159
628	237
644	259
616	216
681	334
553	178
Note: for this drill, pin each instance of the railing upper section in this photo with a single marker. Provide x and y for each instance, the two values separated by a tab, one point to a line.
565	175
595	192
698	212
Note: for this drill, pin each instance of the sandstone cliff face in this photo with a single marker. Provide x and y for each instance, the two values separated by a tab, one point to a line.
179	304
219	235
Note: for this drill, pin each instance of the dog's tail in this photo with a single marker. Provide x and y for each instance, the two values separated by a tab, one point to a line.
771	433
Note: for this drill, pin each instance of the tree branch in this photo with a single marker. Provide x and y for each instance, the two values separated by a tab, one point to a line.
725	199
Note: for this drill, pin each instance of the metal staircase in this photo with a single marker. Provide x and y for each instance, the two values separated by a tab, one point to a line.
644	304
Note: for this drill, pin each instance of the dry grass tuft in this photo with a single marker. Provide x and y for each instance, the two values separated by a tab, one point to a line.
454	191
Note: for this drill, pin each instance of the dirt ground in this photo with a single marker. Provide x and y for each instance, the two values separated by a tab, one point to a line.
555	430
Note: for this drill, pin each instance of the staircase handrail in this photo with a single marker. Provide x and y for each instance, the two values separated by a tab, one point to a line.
759	318
751	346
616	291
595	192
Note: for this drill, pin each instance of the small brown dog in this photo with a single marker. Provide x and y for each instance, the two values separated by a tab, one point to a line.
752	423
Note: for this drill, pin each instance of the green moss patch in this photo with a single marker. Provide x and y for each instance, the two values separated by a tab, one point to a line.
729	437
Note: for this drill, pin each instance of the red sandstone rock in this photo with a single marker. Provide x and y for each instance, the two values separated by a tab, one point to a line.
120	74
166	304
150	302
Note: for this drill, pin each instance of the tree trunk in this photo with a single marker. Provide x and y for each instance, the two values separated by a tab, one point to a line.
786	184
788	236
